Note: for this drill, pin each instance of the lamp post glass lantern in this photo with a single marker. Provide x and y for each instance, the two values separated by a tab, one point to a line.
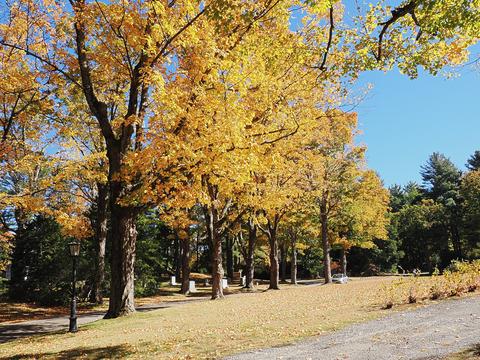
74	248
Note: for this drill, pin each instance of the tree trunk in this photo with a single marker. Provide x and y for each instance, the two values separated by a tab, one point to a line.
325	244
96	294
273	259
197	251
344	261
123	239
456	241
17	290
217	269
293	269
249	261
177	259
229	254
185	244
215	239
118	145
283	262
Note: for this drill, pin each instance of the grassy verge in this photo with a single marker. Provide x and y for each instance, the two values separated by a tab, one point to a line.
13	312
214	328
464	279
470	354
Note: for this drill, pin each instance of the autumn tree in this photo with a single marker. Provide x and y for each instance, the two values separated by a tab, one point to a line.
298	229
248	243
329	176
156	74
416	34
362	216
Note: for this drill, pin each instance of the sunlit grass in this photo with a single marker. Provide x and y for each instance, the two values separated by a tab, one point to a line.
210	329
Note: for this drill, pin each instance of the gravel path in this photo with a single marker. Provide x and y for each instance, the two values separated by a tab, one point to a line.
430	332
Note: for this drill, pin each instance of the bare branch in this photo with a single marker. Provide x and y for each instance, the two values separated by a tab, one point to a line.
322	66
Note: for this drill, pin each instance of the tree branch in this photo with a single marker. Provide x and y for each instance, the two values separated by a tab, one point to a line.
397	13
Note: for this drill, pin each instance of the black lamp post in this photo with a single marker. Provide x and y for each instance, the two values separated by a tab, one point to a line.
74	248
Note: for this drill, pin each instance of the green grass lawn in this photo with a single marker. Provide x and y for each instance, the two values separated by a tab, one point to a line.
215	328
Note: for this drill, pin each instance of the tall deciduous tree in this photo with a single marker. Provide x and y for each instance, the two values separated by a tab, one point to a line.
363	215
161	75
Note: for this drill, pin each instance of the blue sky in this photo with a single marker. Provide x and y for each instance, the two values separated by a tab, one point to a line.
403	121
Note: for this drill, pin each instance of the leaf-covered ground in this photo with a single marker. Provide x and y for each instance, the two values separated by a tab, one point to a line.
215	328
14	312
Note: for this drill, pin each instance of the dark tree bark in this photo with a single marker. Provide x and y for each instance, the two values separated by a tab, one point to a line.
185	245
327	272
456	240
293	268
217	269
229	254
123	238
344	261
249	261
271	232
197	251
215	239
96	294
177	253
274	275
283	262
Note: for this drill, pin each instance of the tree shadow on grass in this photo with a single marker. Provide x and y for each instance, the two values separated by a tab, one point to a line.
14	331
117	351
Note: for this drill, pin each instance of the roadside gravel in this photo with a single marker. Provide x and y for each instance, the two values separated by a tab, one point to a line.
429	332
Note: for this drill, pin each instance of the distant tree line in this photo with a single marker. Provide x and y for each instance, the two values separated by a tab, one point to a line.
438	221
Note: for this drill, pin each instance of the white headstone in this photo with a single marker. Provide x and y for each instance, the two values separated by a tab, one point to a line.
224	283
173	280
191	286
244	280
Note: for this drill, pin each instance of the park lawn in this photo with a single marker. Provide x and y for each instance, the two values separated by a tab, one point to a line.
210	329
14	312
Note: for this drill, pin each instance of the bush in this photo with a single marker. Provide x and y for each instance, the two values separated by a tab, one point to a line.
41	265
460	278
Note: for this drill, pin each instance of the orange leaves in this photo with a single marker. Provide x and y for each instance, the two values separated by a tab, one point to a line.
6	246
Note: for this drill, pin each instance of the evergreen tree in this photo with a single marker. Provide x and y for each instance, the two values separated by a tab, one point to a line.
41	265
441	179
473	163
